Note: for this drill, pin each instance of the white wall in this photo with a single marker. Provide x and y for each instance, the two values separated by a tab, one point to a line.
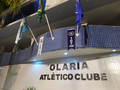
29	75
53	3
3	73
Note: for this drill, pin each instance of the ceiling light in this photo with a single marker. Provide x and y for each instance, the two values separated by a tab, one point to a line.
114	50
37	62
65	53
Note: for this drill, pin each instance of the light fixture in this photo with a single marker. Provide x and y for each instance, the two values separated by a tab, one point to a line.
37	63
65	53
34	60
114	50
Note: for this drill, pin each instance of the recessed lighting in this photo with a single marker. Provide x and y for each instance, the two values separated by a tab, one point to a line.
114	50
37	62
65	53
34	60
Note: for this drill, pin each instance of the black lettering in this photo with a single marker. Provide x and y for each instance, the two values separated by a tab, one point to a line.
45	76
103	76
82	78
70	76
57	76
61	76
52	67
53	76
48	78
65	78
77	78
72	65
58	67
41	77
84	65
65	66
78	66
96	76
89	78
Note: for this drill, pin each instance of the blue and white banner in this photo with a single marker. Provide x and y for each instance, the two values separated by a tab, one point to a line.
40	45
71	38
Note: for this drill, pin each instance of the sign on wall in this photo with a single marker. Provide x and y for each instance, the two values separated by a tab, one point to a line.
71	38
70	76
97	74
40	45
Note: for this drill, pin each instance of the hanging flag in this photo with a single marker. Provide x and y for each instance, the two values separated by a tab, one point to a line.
41	10
78	13
23	28
71	38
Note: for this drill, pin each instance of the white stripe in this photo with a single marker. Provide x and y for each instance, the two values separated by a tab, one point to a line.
17	37
40	45
71	29
18	34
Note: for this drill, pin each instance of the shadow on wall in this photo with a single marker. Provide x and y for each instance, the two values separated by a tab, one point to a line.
11	77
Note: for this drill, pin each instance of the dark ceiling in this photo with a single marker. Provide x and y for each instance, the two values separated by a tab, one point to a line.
96	12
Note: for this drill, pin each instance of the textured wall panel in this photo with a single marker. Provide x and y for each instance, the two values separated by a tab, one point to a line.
90	36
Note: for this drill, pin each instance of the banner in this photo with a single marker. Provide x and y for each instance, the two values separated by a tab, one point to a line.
40	45
71	38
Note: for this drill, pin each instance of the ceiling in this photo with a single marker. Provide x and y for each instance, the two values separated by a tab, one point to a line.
96	12
73	55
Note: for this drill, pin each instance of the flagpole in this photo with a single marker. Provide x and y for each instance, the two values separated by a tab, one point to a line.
29	28
77	34
49	26
32	33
